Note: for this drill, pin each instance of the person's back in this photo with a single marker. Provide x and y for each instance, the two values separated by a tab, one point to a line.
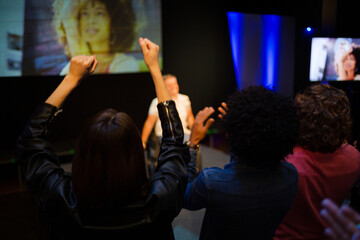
249	197
248	203
108	195
327	168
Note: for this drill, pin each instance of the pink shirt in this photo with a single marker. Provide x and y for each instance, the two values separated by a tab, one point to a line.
321	175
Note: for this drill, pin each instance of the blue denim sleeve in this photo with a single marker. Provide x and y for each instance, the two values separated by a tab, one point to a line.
191	166
195	194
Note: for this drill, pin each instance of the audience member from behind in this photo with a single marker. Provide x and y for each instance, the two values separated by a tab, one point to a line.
328	166
342	223
108	193
250	196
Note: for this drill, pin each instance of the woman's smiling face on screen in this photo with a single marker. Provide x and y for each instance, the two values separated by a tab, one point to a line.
95	23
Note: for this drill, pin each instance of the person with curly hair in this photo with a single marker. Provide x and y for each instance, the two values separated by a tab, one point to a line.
105	28
327	165
250	196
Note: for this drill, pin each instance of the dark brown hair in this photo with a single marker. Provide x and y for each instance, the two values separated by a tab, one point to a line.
325	120
109	169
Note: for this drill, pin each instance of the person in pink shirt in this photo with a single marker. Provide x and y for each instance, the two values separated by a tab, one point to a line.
327	165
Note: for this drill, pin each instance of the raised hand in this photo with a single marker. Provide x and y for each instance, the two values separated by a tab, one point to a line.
81	66
201	124
222	109
151	57
150	51
69	16
70	9
342	222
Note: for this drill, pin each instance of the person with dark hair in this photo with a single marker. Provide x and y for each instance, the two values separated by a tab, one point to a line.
328	166
249	197
108	194
105	28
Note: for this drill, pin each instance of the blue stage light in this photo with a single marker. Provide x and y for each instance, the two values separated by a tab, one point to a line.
236	21
308	29
269	45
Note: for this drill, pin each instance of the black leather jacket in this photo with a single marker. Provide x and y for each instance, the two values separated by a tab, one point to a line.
149	218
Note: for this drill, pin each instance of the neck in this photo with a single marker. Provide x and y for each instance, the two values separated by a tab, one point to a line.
98	48
351	74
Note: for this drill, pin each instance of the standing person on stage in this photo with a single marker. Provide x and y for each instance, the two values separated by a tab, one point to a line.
183	106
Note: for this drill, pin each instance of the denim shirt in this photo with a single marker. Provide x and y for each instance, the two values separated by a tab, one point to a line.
240	202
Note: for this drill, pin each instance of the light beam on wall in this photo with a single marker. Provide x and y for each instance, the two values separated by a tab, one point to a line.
267	47
236	21
270	26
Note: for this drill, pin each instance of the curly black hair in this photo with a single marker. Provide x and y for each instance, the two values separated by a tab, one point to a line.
261	126
325	119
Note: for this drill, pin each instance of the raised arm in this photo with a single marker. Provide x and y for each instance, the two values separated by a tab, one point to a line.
80	67
195	193
69	19
202	123
342	223
40	166
151	58
170	178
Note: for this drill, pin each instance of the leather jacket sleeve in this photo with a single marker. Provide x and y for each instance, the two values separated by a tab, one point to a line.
170	178
52	187
45	179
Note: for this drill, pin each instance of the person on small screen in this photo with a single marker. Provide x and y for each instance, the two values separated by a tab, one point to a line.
105	28
347	61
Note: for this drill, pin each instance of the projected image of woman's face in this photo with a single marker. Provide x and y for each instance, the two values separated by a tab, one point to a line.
95	23
40	37
349	62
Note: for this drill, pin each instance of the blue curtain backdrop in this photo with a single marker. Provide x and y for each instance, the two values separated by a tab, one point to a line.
263	50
